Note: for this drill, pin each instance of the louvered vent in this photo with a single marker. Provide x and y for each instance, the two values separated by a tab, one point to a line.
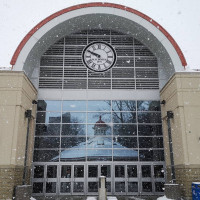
61	66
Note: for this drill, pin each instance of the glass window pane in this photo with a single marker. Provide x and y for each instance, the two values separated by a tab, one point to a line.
73	155
73	129
132	186
92	171
99	105
43	105
150	142
151	155
147	117
125	142
123	105
74	105
51	171
119	186
92	186
148	105
39	171
66	171
146	171
98	129
78	171
99	155
47	142
37	187
47	129
125	155
159	171
132	171
124	129
48	117
119	171
99	142
105	170
65	187
146	187
159	186
78	187
99	117
46	156
108	186
70	117
73	142
50	187
148	130
124	117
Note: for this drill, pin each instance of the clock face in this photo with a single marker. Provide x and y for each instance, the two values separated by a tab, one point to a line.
99	56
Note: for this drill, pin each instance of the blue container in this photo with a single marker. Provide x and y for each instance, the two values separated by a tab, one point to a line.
196	191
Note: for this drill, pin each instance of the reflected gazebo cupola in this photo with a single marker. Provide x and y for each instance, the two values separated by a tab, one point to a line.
100	127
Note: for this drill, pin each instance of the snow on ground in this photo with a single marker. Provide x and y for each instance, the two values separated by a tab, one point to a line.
163	198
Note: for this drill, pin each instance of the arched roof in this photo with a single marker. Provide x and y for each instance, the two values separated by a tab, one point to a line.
99	4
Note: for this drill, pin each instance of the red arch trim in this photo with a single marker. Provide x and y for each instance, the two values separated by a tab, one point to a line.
98	4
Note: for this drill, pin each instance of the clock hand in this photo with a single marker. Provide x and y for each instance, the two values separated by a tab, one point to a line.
95	54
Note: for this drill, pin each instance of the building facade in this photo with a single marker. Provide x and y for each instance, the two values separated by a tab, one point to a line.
99	73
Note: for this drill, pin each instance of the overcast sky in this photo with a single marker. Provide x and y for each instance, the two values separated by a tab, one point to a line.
181	18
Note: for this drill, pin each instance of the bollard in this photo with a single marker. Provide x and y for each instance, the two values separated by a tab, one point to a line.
102	188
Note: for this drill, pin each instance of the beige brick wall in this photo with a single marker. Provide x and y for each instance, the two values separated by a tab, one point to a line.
182	96
16	95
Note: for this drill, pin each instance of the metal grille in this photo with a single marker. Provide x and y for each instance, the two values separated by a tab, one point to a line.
61	66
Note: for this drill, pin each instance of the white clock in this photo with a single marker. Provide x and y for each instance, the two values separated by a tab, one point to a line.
99	56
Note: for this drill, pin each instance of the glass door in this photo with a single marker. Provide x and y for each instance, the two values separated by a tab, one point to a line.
105	170
66	179
119	179
92	179
132	179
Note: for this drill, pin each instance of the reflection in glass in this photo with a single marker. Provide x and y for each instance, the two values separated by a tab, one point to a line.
146	187
92	171
78	171
123	105
125	142
70	117
50	187
65	187
46	156
98	129
99	155
74	105
124	117
38	171
47	129
43	105
151	155
132	171
99	105
37	187
51	171
119	186
150	142
92	186
97	117
66	171
124	129
73	129
48	117
149	117
132	186
125	155
47	142
73	142
105	170
73	155
78	186
148	105
119	171
148	130
99	142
